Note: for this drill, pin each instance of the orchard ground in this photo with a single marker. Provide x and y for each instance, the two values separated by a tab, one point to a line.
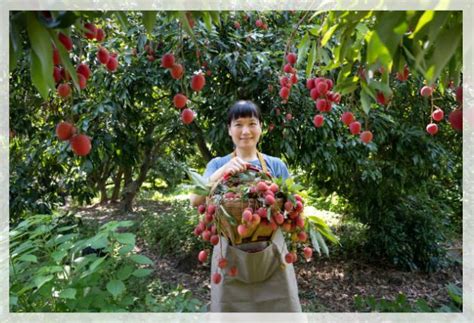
326	284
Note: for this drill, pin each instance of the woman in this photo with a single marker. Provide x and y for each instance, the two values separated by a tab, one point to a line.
264	283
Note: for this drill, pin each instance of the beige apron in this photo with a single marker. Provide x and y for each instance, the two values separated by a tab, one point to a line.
264	282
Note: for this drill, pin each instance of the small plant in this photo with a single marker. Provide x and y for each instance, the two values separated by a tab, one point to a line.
55	269
401	303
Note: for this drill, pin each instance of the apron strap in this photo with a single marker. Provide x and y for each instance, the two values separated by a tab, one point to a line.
260	158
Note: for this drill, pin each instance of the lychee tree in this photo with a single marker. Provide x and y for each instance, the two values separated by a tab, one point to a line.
373	63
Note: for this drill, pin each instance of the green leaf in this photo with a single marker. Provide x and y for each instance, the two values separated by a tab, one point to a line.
229	217
68	293
13	300
142	260
216	17
347	86
365	101
115	287
149	19
99	241
311	59
37	76
124	272
425	18
328	35
322	243
455	293
40	41
15	45
198	180
377	51
125	238
185	23
445	46
142	272
28	258
96	264
41	280
207	21
125	249
122	18
303	47
314	240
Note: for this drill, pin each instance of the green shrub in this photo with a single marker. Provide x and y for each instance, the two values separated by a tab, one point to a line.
401	303
171	231
50	272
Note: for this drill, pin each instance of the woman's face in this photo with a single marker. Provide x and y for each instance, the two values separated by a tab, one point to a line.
245	132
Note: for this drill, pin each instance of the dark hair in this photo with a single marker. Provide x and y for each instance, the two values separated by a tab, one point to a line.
243	109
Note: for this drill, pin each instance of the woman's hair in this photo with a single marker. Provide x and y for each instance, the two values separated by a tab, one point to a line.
243	109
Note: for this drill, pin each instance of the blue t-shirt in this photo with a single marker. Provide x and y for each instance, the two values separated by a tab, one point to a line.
275	165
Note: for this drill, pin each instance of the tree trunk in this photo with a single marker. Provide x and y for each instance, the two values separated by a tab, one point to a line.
103	191
117	185
131	190
201	142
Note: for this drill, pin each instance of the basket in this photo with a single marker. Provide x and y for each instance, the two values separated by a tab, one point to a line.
234	207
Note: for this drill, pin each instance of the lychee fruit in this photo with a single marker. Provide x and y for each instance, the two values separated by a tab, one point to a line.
65	130
202	256
81	145
167	60
180	100
187	116
432	128
100	36
103	55
347	118
197	82
318	120
455	119
177	71
426	91
112	64
354	127
437	115
366	136
64	90
66	41
291	58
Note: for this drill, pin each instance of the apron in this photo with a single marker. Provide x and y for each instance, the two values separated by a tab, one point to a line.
264	281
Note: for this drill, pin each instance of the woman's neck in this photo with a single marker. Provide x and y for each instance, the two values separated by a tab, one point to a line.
247	155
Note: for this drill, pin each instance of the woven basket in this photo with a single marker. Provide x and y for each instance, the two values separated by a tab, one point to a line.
235	207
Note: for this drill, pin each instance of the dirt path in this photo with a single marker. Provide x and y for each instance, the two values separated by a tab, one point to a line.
325	284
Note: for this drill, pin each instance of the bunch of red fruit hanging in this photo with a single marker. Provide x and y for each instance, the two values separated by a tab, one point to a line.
198	81
288	79
258	219
62	77
437	114
80	143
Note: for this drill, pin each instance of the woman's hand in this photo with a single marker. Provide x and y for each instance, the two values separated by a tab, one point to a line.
234	166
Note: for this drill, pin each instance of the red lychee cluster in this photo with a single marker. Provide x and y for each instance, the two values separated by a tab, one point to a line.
289	78
83	71
355	126
80	144
264	214
260	24
437	115
320	91
402	76
198	82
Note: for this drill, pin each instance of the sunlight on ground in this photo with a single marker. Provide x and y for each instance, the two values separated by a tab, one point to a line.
329	217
